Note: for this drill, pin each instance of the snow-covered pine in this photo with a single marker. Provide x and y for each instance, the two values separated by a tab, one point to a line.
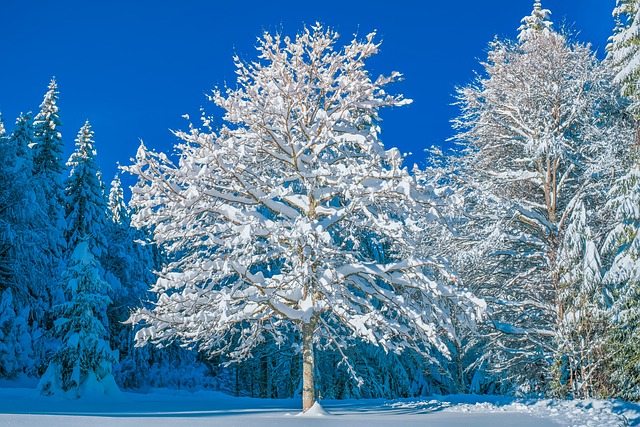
81	366
25	266
86	208
48	167
581	352
16	350
621	249
83	361
536	139
537	22
118	209
265	221
623	50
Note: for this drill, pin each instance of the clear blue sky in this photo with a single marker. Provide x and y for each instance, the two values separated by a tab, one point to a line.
133	68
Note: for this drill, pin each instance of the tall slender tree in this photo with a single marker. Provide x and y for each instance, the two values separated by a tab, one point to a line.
83	362
86	208
48	165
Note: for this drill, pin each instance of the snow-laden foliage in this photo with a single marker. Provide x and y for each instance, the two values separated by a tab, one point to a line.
580	366
82	364
268	221
624	49
622	248
16	351
86	212
48	166
537	132
25	265
535	23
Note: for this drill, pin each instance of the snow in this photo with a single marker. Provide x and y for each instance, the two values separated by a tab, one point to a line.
164	408
316	410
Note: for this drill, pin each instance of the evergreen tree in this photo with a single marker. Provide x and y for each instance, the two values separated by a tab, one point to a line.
621	249
48	167
580	362
82	364
24	263
624	50
86	213
16	350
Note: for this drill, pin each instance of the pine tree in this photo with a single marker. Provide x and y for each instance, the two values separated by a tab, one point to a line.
48	167
624	50
86	212
267	223
621	248
581	357
16	350
82	364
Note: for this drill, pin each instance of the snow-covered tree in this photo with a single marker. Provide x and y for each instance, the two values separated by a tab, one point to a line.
622	249
48	167
537	138
624	50
583	322
16	351
82	364
86	212
267	222
24	263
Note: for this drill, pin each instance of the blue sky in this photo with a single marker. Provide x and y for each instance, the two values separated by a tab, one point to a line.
133	68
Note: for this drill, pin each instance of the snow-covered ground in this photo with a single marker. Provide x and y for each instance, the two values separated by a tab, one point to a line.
24	407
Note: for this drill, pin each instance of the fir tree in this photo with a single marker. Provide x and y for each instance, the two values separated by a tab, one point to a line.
83	362
16	350
48	166
624	50
86	212
621	248
581	357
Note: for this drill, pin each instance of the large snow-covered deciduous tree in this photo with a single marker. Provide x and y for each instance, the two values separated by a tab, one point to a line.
269	222
537	139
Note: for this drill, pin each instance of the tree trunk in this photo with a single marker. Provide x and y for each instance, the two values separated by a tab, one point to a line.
308	364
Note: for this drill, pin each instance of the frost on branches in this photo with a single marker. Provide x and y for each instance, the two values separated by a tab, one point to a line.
537	139
269	222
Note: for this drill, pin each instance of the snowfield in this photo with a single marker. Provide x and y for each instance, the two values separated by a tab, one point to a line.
24	407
